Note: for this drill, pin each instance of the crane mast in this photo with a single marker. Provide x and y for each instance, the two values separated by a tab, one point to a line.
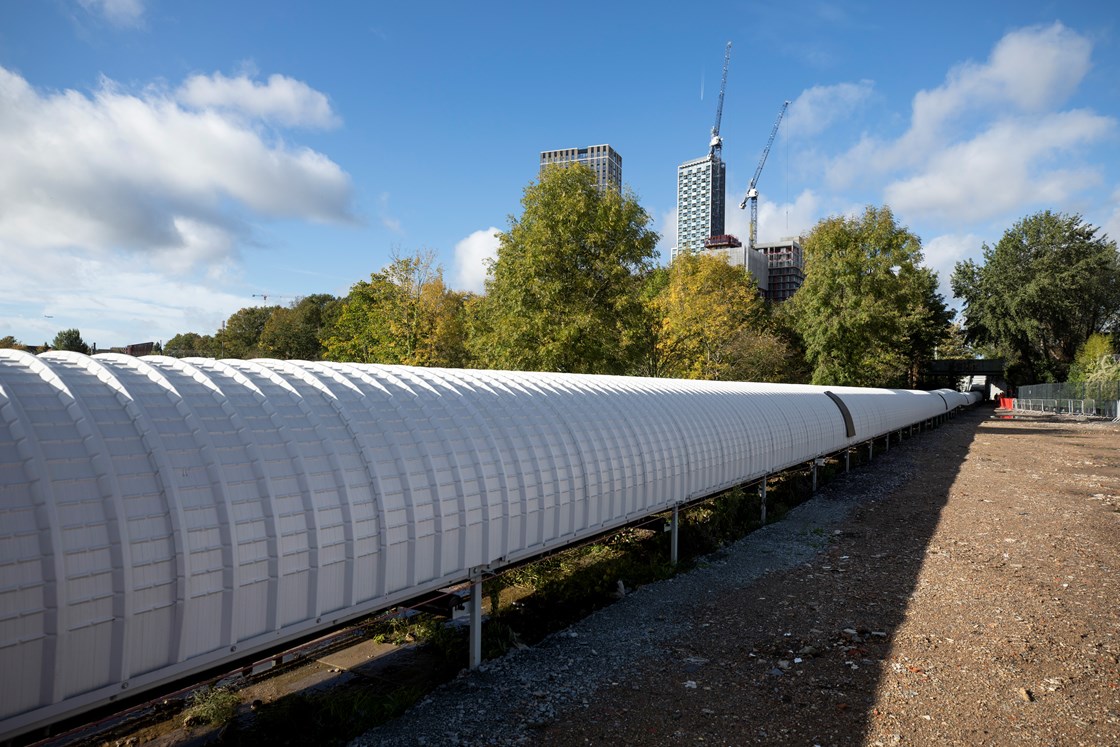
752	190
715	146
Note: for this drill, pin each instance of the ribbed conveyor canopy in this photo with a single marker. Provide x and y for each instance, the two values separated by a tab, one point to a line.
158	516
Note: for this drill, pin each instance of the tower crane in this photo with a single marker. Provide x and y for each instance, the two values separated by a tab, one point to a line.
715	146
266	296
752	190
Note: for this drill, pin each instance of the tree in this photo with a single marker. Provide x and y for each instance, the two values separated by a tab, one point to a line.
646	335
563	293
927	326
1038	295
10	342
955	345
192	345
714	325
1095	354
70	339
293	333
403	314
240	336
868	312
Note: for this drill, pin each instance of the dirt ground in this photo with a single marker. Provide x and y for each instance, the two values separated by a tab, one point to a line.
977	605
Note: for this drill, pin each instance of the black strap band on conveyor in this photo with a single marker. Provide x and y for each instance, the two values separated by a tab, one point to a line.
849	426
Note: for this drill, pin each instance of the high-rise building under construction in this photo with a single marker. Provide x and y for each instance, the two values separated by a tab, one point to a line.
701	202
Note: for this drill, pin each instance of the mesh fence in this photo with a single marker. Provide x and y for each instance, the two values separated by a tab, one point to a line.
1076	397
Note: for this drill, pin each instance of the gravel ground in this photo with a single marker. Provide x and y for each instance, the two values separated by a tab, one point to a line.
960	590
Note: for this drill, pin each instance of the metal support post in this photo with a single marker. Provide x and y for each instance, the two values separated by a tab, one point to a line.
476	621
762	497
888	446
847	458
674	528
814	477
870	450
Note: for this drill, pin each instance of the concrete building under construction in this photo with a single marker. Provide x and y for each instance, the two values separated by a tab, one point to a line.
786	268
778	266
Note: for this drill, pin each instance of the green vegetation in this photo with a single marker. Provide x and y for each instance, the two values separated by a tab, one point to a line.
564	291
869	314
1097	360
1040	293
70	339
714	325
211	705
574	288
404	314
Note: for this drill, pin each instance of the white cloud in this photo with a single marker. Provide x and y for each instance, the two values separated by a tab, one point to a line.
471	255
817	108
943	252
122	210
112	302
1003	169
1030	71
283	100
385	216
668	231
1111	226
991	140
775	220
117	171
1033	69
117	12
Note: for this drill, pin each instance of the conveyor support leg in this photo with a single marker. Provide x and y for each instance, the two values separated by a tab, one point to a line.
762	496
476	621
674	528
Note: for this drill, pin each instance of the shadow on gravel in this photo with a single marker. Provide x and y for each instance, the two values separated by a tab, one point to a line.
822	641
898	531
840	614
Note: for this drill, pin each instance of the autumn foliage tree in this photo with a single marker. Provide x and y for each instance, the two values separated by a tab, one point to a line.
403	314
714	324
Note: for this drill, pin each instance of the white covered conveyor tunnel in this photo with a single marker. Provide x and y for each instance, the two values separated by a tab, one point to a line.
159	517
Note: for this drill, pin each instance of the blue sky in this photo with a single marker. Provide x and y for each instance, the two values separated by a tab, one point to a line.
163	164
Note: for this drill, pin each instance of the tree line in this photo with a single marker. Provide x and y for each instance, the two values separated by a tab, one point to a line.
575	288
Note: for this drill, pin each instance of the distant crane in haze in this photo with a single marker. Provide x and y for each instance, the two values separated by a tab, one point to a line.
715	146
266	296
752	190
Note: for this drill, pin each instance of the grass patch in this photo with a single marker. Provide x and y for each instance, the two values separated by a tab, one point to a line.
211	705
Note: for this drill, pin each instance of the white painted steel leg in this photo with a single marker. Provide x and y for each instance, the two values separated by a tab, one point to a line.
673	529
476	622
